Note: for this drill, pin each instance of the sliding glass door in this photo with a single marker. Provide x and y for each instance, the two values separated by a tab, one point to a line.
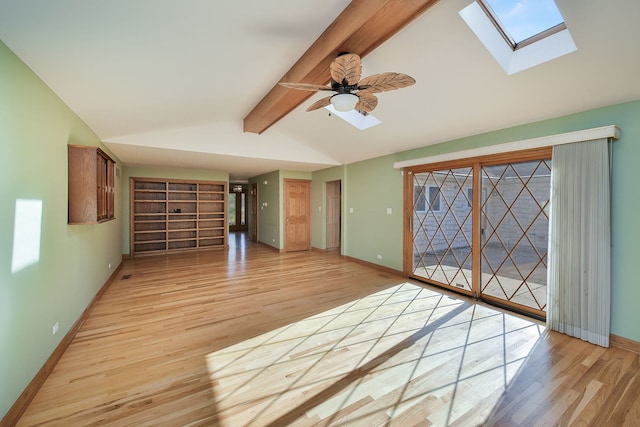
515	219
482	228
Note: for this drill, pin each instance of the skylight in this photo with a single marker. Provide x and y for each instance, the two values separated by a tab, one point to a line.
519	34
521	20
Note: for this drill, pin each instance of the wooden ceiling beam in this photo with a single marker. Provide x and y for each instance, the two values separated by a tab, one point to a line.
361	27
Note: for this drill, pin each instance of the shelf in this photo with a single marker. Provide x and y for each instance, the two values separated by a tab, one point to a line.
150	185
183	244
182	186
209	243
151	246
173	197
182	234
150	218
138	242
184	240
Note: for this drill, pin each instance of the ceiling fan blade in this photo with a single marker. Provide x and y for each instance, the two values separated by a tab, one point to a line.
346	69
304	86
385	81
367	102
323	102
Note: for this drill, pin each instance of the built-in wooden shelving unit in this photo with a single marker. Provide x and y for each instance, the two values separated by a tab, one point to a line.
170	215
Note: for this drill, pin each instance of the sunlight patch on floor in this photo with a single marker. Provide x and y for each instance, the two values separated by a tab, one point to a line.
377	358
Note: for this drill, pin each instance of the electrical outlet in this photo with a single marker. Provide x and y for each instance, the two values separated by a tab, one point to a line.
55	328
379	256
389	211
109	266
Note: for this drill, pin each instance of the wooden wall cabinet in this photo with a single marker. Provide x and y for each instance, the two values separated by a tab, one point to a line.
91	185
171	215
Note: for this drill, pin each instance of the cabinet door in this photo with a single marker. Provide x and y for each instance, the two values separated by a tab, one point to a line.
110	189
101	195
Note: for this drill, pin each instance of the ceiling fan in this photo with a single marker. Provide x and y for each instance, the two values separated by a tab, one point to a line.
353	93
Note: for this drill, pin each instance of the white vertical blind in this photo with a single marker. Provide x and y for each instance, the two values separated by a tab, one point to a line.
579	271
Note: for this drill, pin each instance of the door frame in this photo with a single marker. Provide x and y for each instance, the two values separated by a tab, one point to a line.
338	212
253	211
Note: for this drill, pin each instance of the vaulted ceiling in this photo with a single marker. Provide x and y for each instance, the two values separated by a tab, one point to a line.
169	83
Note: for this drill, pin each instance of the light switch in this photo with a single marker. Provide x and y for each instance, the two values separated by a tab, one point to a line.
350	210
389	211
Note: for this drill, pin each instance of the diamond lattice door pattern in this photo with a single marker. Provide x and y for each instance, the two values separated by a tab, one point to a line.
515	232
442	226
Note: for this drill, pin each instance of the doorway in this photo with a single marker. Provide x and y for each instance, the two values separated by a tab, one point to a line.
238	208
333	203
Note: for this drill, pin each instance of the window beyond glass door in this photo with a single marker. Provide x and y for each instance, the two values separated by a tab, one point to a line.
442	227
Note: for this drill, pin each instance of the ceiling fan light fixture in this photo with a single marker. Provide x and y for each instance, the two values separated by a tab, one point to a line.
345	79
344	101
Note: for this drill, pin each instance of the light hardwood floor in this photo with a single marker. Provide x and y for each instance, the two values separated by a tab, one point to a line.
254	337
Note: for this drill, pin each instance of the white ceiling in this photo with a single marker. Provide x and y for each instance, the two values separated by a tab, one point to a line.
168	83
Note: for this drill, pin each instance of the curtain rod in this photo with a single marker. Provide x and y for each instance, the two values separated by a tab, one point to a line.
610	131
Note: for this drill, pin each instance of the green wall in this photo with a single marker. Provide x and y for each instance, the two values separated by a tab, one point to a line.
72	262
271	216
150	172
374	185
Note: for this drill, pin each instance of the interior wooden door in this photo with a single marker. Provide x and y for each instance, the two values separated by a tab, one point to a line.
333	215
254	211
297	215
